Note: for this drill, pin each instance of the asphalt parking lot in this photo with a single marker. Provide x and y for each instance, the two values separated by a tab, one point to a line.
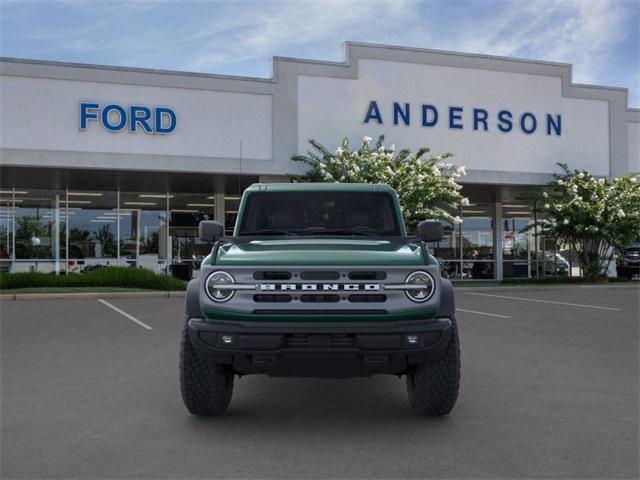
549	390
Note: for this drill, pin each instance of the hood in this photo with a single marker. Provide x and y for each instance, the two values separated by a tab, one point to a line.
320	251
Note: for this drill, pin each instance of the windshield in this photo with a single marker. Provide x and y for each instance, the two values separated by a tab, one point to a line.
320	213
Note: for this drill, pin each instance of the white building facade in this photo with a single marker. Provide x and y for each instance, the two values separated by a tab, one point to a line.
116	166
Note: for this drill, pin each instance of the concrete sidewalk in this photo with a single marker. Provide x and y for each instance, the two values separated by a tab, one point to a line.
89	295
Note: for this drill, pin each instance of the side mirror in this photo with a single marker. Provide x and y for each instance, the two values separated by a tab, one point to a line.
210	230
430	231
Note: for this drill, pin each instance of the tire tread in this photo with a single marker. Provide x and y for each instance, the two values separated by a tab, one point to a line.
206	387
433	387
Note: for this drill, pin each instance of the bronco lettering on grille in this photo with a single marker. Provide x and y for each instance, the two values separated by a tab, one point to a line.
319	286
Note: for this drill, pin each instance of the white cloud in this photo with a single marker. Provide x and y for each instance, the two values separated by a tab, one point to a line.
229	37
250	34
581	32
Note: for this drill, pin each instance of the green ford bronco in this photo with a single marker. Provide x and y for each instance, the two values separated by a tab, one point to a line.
320	280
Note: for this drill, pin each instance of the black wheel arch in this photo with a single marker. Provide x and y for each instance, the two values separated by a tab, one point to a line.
192	299
447	299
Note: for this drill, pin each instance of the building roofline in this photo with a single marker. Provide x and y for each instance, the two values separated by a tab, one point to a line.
346	63
454	52
55	63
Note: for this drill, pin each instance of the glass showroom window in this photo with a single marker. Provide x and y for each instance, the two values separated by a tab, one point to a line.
524	254
143	229
187	210
447	251
477	242
92	230
127	229
231	205
7	228
518	240
555	259
38	226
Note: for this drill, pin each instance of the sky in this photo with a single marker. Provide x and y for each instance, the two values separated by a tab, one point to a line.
601	38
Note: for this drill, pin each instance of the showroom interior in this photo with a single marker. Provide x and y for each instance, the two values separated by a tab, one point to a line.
70	221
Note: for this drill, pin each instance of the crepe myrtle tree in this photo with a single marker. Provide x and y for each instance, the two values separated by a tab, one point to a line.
424	182
595	216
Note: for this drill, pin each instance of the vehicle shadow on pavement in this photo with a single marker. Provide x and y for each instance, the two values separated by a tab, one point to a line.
318	403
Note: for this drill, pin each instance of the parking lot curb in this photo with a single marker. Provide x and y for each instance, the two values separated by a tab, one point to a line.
537	288
88	295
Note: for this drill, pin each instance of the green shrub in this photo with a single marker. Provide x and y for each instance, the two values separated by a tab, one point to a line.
102	277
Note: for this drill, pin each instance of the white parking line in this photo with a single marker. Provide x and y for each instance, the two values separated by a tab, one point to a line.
524	299
483	313
125	314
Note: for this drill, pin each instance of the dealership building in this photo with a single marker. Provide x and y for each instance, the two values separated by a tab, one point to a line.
105	165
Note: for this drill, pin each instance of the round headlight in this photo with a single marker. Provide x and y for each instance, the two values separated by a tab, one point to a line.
426	289
215	286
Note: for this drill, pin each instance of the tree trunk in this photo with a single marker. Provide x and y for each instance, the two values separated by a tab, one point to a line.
592	261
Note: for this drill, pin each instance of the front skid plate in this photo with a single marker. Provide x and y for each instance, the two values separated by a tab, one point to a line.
320	349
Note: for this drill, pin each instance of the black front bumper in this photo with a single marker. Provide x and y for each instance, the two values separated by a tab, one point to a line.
320	349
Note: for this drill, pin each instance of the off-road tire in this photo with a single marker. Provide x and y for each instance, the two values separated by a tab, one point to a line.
206	387
433	386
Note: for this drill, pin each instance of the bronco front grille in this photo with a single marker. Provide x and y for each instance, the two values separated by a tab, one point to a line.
272	275
367	298
319	275
315	275
275	298
319	298
367	275
332	290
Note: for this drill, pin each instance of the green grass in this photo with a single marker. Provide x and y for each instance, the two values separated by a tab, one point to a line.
109	277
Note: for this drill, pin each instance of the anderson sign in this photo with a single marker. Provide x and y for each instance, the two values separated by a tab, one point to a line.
461	118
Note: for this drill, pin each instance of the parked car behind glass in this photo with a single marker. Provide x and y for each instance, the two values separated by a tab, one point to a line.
628	263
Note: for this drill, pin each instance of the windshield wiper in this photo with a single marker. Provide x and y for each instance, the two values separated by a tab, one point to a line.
268	231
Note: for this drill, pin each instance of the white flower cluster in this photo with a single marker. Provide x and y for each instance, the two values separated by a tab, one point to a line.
424	182
592	214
